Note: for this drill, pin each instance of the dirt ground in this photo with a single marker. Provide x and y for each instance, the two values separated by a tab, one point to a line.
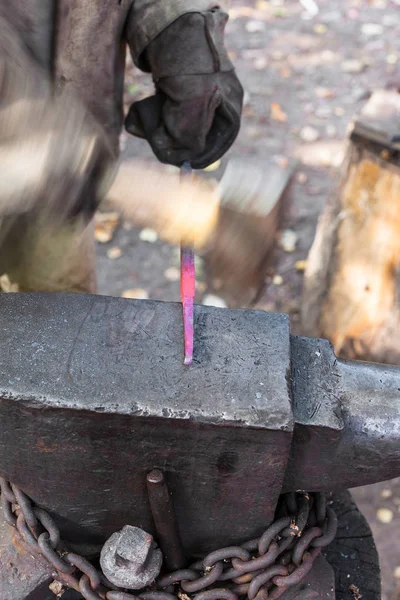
305	74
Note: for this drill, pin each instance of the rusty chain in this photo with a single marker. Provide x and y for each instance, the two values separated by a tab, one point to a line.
261	568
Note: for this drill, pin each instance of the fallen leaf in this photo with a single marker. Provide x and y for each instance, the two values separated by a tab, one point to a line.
339	111
57	588
320	28
172	274
353	65
285	72
331	131
260	63
288	240
302	177
386	493
392	59
309	134
277	280
105	226
277	114
135	294
277	55
372	29
323	92
6	285
255	26
355	592
384	515
301	265
114	253
310	6
281	161
396	572
148	235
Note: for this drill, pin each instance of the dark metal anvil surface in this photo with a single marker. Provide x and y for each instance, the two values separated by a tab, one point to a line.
94	395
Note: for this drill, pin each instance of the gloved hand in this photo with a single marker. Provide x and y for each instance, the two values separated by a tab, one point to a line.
195	112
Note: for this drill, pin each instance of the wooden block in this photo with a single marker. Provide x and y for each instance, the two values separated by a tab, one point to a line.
351	288
253	195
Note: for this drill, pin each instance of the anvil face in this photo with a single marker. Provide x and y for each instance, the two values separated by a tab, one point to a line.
94	395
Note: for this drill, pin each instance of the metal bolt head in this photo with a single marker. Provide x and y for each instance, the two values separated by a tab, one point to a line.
130	558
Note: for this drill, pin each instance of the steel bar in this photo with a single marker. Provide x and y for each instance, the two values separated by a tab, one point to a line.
163	514
188	288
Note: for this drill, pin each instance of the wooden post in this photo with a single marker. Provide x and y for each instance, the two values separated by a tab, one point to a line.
351	286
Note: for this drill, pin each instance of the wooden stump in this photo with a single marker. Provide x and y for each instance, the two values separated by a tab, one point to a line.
353	554
351	289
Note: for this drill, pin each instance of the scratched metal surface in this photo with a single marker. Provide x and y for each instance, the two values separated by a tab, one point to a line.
126	356
94	394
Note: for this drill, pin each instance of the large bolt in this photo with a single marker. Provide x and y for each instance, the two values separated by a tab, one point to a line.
130	558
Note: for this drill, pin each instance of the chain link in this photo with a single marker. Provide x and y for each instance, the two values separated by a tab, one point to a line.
260	568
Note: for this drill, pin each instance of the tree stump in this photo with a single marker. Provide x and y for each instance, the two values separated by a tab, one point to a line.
353	554
351	288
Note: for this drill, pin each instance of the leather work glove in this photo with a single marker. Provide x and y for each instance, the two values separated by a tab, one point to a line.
195	112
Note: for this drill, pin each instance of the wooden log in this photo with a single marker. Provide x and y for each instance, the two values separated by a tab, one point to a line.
351	286
353	554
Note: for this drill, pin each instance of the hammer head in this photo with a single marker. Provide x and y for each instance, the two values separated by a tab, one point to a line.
252	196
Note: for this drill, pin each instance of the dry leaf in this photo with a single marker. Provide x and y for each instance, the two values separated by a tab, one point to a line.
301	265
260	63
255	26
288	240
114	253
105	226
57	588
325	93
281	161
148	235
355	592
384	515
277	280
172	274
320	28
386	493
135	294
309	134
302	177
285	72
277	114
6	285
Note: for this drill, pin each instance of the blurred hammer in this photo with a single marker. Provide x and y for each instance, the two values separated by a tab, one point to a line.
233	223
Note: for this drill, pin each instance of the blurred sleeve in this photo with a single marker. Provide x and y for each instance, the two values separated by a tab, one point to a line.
52	153
148	18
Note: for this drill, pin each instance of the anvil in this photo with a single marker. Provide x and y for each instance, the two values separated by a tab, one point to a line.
94	395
